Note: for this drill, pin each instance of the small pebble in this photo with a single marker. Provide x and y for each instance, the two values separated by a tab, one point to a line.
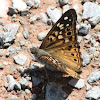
83	29
76	83
94	76
20	59
94	93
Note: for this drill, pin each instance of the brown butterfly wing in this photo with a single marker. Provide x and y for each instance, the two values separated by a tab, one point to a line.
61	43
62	31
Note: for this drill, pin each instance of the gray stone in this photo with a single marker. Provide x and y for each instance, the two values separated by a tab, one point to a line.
6	85
22	43
25	96
88	36
23	82
43	18
5	63
25	33
36	81
83	29
6	39
95	20
19	5
96	44
36	66
86	59
14	97
54	92
96	54
54	13
94	93
99	65
62	2
65	8
90	10
93	41
33	3
24	13
11	28
88	87
11	50
49	22
2	22
27	91
94	76
33	19
1	52
12	68
76	83
12	83
12	11
20	59
79	39
92	49
42	35
20	69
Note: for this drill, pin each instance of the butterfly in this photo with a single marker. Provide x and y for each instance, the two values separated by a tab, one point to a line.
60	48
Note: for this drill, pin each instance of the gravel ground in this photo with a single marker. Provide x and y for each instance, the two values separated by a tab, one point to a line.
24	24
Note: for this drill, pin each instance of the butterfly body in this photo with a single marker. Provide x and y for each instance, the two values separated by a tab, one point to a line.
60	47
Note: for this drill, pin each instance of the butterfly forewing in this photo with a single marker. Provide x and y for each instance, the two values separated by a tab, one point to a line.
62	32
61	44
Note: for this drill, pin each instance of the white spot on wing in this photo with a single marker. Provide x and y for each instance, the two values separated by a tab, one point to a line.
67	24
65	18
60	32
69	19
66	40
61	26
60	37
58	24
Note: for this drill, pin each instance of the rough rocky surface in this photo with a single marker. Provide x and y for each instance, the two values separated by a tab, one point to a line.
24	24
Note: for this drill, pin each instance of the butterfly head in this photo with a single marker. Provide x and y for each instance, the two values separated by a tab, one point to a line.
38	52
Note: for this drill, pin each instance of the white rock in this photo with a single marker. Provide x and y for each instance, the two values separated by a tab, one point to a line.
43	18
86	59
88	36
88	87
76	83
54	13
96	53
95	20
20	5
65	8
79	39
62	2
33	3
20	59
90	10
42	35
14	97
94	76
12	83
83	29
94	93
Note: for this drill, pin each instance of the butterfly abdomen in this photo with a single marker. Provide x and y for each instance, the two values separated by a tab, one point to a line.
49	60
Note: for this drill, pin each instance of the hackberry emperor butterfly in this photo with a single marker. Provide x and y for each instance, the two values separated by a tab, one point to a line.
60	47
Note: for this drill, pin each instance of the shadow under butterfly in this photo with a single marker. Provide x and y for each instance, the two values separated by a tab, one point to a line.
60	48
